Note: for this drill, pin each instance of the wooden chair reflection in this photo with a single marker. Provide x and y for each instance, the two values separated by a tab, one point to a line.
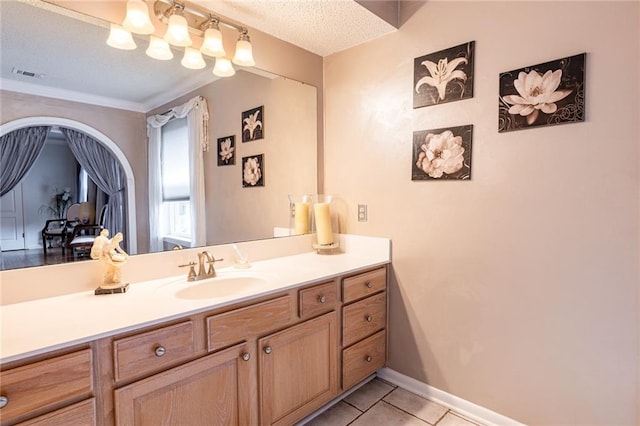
60	228
81	239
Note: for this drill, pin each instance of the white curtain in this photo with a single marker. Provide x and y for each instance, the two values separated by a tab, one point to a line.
197	115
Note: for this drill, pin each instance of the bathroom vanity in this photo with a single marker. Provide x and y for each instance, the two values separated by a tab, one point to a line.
271	354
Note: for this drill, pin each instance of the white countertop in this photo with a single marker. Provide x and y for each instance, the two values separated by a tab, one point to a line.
42	325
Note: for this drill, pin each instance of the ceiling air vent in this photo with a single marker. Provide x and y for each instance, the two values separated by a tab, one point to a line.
26	73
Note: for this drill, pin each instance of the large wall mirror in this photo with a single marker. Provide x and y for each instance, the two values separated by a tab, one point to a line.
102	88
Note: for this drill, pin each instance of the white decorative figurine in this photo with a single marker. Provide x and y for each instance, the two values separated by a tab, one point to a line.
112	256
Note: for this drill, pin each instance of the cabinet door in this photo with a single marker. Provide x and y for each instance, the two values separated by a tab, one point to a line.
298	370
214	390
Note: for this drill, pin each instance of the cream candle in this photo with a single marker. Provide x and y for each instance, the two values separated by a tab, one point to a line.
323	223
301	218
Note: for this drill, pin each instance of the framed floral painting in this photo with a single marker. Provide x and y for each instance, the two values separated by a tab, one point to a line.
253	124
227	150
253	171
443	76
542	95
442	154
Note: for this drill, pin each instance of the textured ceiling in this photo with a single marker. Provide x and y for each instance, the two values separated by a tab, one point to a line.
77	64
319	26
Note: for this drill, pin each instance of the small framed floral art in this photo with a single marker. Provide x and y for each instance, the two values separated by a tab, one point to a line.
253	124
542	95
442	154
253	171
443	76
227	151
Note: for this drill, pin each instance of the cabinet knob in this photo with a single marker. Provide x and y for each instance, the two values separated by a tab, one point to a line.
368	358
3	401
369	318
246	356
160	351
267	350
368	284
322	299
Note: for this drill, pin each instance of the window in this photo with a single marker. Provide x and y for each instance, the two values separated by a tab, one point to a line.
176	206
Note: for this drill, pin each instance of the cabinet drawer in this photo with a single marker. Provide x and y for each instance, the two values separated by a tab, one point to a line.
363	359
80	414
240	324
153	350
45	384
362	285
318	299
363	318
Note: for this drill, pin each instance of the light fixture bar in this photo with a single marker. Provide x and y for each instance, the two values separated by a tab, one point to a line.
198	19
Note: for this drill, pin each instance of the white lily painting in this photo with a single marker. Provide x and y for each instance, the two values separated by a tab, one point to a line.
442	154
253	124
226	151
541	95
443	76
253	171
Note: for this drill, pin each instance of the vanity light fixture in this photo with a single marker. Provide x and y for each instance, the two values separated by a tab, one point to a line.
137	19
120	38
182	18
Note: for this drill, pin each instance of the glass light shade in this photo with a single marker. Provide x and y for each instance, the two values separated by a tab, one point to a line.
244	53
159	49
137	19
223	68
192	59
178	31
120	38
212	44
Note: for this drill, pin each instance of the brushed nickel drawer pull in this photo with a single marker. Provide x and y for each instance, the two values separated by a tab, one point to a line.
267	350
322	299
368	358
369	318
368	284
246	356
160	351
3	401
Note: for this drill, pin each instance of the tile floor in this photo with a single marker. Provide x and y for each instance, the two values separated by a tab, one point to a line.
379	403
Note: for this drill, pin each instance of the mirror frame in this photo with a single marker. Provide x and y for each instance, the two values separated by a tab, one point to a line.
104	140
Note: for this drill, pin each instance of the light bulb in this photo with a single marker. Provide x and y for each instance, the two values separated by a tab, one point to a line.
212	44
178	31
137	19
120	38
244	52
159	49
192	59
223	68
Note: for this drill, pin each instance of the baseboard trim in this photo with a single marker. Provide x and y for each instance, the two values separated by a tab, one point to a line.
468	409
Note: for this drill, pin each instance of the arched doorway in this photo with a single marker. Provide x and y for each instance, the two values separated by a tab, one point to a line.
132	244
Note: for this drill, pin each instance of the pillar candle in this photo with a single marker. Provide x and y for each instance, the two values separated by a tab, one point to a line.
301	220
323	223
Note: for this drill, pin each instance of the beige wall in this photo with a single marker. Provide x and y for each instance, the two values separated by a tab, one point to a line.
235	213
517	290
127	129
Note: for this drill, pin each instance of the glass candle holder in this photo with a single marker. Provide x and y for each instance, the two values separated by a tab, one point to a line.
324	223
300	214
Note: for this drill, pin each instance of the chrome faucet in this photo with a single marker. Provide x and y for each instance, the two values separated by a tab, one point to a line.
206	269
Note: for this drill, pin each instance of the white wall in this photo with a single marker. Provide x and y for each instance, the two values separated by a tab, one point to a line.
517	290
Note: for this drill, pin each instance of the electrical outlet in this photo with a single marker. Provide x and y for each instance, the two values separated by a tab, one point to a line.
362	212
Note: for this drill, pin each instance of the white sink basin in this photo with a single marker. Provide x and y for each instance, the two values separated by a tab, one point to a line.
213	288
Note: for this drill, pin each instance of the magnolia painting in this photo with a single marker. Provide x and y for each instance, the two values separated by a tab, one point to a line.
253	124
443	76
442	154
227	151
253	171
542	95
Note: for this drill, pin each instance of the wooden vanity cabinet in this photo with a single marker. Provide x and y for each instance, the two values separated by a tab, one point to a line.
57	389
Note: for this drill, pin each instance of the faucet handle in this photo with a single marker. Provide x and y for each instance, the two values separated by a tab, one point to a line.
215	260
191	276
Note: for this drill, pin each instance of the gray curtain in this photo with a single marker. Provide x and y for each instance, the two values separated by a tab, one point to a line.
103	169
19	149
